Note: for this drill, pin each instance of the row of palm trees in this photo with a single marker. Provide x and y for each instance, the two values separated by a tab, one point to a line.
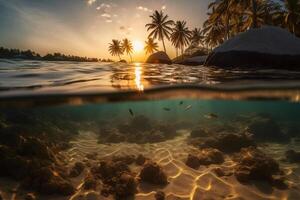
230	17
119	48
162	28
226	18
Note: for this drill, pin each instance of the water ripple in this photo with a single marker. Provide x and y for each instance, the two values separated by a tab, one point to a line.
37	76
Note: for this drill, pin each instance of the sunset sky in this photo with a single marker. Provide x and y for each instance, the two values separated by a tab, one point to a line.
85	27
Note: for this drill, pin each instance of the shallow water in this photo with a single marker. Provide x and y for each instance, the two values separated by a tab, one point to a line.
22	77
103	116
160	130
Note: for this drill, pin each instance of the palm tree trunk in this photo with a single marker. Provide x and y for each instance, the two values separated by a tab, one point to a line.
254	14
227	26
119	57
163	41
130	57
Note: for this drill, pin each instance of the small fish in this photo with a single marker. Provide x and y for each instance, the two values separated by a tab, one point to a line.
211	116
188	107
181	103
131	112
167	109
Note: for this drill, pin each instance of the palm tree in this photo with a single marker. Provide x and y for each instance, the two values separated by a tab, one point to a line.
160	27
180	36
254	13
292	14
213	30
127	47
258	12
150	46
196	36
223	10
115	48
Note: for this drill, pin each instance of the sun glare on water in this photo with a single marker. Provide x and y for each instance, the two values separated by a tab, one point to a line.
138	46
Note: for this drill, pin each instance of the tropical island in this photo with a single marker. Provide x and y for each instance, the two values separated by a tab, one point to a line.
236	33
31	55
241	21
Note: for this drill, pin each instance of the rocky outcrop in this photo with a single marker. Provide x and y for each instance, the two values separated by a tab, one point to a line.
292	156
266	129
199	132
193	61
77	169
139	129
117	178
252	164
159	58
228	143
206	156
160	195
152	173
264	47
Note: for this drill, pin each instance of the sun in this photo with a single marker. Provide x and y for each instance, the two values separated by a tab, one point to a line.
138	46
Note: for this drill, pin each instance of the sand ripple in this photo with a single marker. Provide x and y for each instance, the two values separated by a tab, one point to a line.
184	182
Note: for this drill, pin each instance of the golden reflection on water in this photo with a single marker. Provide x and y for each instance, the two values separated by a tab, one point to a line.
138	77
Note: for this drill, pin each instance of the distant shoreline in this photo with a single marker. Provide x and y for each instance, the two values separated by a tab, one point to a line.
11	54
28	59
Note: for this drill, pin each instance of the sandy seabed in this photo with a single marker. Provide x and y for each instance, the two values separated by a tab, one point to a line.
185	183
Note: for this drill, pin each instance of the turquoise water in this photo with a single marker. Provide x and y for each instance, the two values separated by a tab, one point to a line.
79	131
182	109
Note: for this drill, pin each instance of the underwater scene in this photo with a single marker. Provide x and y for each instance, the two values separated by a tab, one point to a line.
175	149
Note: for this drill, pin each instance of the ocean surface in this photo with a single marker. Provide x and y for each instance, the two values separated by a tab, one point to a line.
86	131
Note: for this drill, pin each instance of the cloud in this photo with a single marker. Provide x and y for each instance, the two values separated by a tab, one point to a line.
90	2
106	11
106	15
126	30
103	6
145	9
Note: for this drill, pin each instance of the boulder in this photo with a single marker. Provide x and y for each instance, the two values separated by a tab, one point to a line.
122	61
160	195
117	178
268	46
193	61
206	156
126	186
192	161
159	58
30	196
229	143
219	172
252	164
267	130
77	169
90	183
292	156
199	132
210	156
140	160
47	181
152	173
